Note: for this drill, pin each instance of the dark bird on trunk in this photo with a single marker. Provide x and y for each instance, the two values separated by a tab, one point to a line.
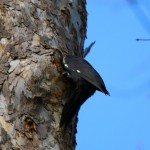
86	79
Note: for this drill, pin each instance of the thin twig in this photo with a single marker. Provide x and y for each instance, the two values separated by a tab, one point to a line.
142	39
87	50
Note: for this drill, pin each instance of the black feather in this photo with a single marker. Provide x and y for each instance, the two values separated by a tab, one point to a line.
87	81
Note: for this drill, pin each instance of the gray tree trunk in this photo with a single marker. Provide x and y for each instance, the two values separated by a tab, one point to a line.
32	88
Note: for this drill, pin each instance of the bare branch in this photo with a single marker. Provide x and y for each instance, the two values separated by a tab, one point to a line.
87	50
142	39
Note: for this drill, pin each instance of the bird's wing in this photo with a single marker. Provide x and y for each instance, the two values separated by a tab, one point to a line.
86	71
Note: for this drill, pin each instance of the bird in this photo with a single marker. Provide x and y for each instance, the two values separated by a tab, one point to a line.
86	79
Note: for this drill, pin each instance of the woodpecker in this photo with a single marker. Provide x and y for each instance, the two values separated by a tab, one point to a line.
86	79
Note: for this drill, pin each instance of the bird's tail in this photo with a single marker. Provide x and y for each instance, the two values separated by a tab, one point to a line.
73	104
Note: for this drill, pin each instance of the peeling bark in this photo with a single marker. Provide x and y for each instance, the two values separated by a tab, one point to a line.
32	88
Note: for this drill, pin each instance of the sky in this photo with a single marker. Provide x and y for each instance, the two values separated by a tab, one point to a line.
120	121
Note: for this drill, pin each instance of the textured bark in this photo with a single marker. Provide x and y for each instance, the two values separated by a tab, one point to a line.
33	90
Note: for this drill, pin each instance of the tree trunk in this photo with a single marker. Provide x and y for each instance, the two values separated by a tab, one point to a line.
33	89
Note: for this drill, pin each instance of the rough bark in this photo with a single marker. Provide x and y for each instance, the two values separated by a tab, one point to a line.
33	90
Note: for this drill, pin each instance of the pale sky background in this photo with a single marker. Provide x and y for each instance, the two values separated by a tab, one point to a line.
120	121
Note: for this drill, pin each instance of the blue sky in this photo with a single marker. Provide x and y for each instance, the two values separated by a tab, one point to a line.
120	121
